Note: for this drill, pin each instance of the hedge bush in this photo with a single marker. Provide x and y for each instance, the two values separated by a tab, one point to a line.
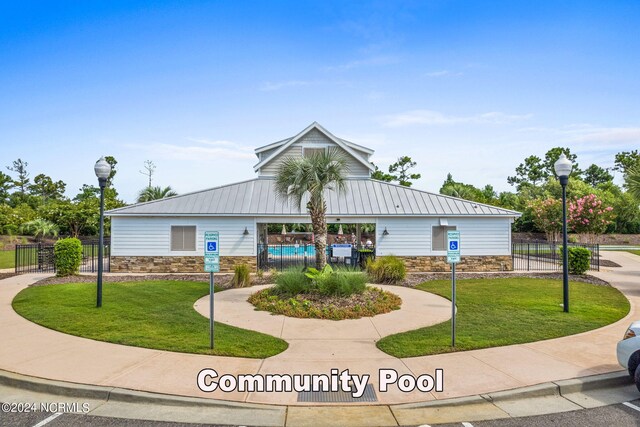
386	269
241	276
579	259
68	256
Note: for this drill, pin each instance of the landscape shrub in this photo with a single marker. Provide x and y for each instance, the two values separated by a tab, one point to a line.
68	256
241	276
10	229
342	283
386	269
579	259
292	282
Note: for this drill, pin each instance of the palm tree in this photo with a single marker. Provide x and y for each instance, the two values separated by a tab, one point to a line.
155	193
310	177
39	228
632	181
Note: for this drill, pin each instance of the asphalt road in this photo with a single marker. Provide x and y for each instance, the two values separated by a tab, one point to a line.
618	415
74	420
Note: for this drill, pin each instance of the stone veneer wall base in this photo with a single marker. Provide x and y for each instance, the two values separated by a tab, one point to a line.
195	264
175	264
420	264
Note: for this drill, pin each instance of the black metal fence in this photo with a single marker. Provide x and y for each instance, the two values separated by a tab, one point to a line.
537	255
40	258
282	256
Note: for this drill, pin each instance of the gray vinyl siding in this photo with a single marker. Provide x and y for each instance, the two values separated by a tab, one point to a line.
151	236
412	236
356	168
271	168
266	154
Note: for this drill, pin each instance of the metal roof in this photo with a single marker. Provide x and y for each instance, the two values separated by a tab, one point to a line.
364	197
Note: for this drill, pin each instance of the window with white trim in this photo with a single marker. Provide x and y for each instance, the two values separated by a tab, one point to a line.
439	237
183	238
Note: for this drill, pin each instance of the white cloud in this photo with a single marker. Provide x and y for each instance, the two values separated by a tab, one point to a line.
368	62
271	86
590	138
430	117
375	95
202	150
443	73
613	135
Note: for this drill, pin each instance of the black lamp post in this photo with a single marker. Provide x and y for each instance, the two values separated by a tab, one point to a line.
563	169
102	170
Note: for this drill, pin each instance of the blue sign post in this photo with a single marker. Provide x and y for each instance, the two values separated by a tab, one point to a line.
211	265
453	257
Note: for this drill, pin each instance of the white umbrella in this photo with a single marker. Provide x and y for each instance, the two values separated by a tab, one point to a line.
284	229
340	232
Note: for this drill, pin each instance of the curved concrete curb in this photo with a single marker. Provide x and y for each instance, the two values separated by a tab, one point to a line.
67	389
556	388
472	408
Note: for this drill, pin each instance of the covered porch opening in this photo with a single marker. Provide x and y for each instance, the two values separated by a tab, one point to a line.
286	244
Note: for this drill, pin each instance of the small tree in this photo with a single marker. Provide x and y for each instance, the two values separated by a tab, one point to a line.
40	228
547	217
632	180
400	171
311	176
155	193
68	256
149	170
589	217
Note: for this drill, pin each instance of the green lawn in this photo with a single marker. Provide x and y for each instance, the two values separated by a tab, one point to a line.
634	252
497	312
152	314
7	259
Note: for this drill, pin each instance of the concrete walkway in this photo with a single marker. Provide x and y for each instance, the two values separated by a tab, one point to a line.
316	348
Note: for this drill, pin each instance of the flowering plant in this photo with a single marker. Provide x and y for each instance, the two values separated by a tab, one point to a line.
547	216
588	216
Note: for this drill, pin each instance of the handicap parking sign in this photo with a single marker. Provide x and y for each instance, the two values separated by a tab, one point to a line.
211	239
453	246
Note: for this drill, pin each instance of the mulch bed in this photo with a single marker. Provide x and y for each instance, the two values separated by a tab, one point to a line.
6	275
414	279
608	263
371	302
222	280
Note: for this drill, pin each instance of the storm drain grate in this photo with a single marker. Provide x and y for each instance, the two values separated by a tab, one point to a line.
338	396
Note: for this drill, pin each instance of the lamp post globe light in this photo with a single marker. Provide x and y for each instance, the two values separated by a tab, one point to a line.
562	168
102	170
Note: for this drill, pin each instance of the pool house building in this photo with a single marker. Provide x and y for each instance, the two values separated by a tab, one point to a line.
167	235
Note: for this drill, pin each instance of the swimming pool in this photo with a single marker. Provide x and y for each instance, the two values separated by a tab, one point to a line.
292	250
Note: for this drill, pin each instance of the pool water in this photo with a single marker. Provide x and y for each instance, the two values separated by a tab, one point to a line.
291	250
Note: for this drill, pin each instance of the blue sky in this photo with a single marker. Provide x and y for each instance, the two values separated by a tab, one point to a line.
470	88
